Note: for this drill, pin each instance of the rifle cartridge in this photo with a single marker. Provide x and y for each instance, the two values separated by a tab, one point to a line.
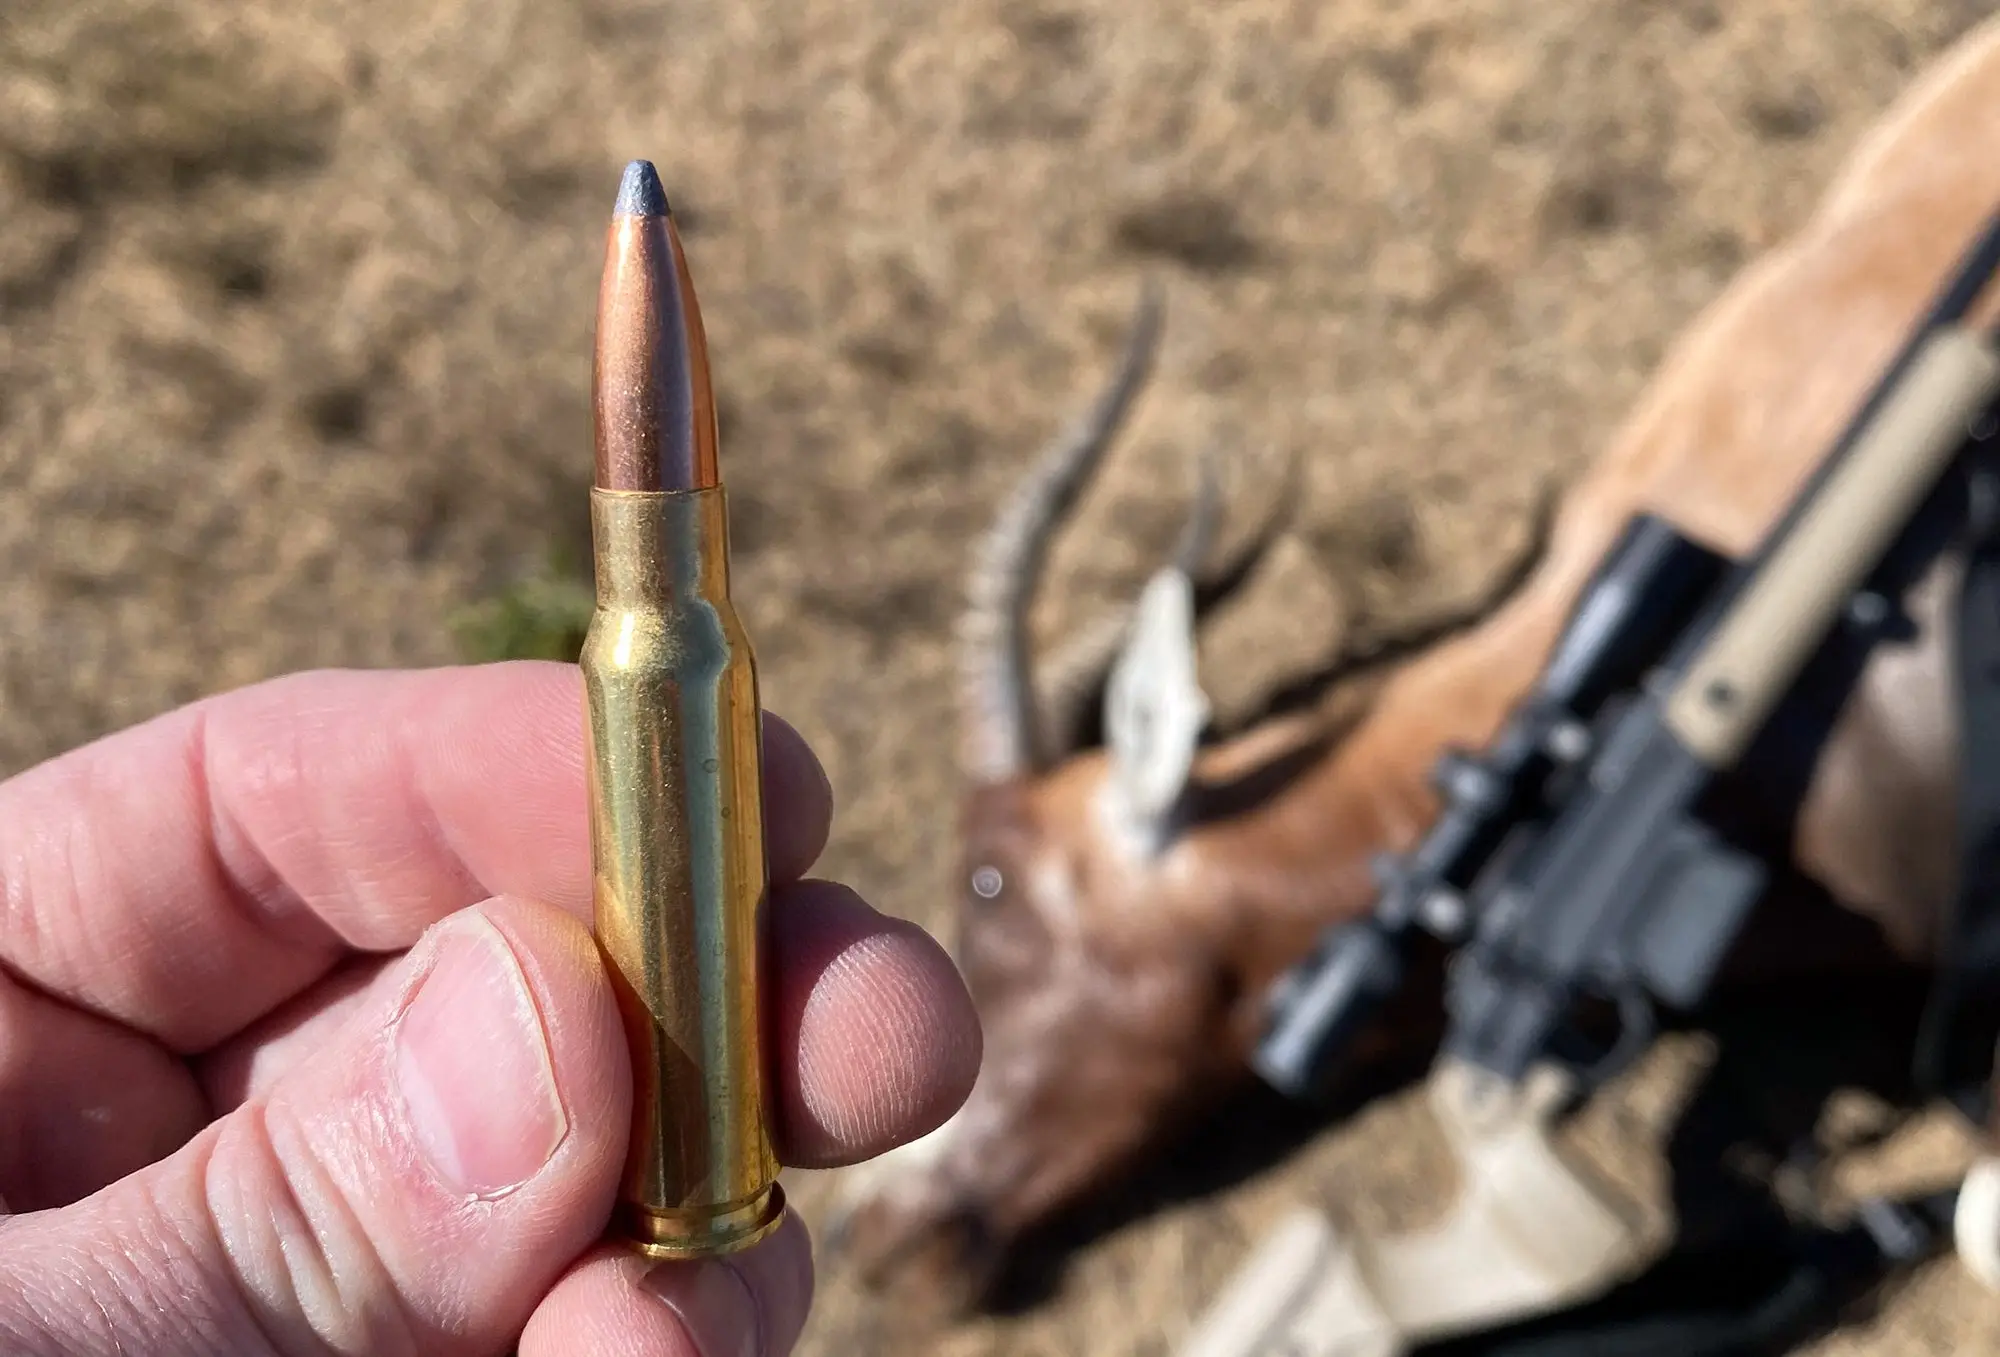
674	763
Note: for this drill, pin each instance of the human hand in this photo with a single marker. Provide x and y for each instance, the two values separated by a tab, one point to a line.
238	1116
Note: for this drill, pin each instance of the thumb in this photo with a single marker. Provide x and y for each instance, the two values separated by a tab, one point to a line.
416	1186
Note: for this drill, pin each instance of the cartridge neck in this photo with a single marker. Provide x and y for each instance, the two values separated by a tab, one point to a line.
654	546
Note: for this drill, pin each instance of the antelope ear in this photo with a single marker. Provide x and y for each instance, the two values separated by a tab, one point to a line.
1154	708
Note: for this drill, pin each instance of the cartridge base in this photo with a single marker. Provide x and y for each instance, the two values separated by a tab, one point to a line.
700	1232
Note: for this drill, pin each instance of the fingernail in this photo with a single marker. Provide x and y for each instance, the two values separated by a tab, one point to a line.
474	1066
714	1305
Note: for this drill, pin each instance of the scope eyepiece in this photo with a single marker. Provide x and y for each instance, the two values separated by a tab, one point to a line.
1321	1005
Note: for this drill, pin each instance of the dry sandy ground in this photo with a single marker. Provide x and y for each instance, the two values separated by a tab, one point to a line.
297	304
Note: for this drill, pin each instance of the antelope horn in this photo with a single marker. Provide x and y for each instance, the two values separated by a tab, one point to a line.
1001	730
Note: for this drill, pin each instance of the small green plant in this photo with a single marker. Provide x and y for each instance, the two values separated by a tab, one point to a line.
541	616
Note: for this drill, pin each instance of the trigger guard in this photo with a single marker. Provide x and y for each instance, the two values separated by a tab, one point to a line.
1638	1024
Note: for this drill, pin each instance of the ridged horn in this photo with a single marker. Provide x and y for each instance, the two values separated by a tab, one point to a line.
1000	723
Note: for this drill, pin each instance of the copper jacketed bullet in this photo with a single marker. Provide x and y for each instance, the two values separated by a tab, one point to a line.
674	762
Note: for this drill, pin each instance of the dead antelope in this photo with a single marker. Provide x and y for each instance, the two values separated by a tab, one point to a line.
1126	906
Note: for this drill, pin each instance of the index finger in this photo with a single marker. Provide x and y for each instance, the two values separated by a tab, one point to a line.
189	874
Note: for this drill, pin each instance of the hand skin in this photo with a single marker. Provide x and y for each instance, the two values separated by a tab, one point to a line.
305	1046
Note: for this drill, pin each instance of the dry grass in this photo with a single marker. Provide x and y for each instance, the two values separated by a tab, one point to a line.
297	301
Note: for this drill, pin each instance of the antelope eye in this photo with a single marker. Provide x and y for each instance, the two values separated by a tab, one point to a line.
986	882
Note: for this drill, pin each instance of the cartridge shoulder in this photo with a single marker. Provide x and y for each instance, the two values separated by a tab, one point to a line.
691	637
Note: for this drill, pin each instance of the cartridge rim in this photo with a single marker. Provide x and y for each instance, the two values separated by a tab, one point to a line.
701	1232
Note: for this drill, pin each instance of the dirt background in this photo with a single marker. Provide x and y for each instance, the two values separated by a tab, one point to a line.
295	314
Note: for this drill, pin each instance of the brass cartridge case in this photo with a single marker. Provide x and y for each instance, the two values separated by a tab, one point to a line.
674	772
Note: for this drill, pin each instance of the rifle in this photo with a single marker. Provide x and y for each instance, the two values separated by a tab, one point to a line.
1579	860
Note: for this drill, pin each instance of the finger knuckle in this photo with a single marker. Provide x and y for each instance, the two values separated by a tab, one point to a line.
297	1248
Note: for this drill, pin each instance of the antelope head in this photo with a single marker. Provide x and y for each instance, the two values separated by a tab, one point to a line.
1125	901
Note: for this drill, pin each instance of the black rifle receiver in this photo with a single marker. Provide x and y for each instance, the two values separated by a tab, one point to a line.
1573	860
